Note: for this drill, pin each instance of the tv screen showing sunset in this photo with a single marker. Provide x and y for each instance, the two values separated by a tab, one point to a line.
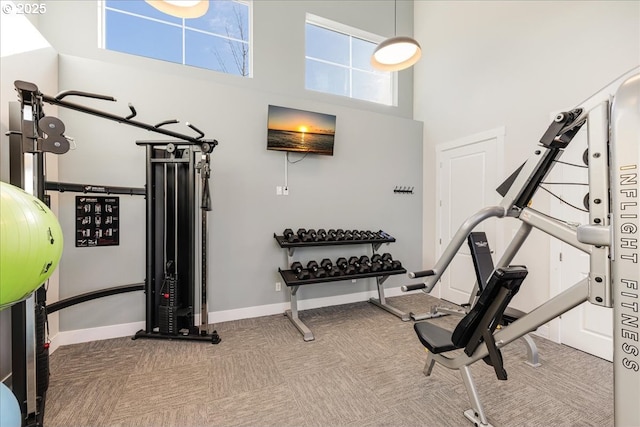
301	131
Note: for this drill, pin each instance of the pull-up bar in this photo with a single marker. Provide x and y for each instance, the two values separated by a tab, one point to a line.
29	92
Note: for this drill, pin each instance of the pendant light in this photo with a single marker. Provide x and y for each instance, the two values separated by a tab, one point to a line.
181	8
396	53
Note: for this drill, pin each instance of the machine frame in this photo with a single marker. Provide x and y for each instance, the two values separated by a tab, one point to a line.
610	239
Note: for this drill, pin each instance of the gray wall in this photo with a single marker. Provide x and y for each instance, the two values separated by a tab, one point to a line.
377	148
489	64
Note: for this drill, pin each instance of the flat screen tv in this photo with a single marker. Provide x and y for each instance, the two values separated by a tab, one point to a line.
300	131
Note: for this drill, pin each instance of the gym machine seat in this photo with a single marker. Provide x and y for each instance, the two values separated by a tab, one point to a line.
475	328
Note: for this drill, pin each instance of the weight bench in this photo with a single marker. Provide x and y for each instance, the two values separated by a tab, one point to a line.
483	268
475	329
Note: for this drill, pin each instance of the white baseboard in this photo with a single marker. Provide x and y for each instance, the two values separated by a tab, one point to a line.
94	334
305	304
128	329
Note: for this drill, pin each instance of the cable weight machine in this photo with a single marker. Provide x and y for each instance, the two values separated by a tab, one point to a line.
171	257
32	134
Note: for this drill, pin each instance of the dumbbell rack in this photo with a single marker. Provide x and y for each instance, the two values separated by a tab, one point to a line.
293	283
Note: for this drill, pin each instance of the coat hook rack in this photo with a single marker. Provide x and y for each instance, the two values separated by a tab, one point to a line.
403	190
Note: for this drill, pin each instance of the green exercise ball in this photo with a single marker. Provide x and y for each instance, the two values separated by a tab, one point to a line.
30	244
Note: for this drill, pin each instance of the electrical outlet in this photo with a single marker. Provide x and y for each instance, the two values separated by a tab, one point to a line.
278	190
285	191
353	280
278	286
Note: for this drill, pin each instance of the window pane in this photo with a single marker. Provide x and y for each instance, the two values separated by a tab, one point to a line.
362	51
327	45
327	78
218	40
216	53
141	8
375	87
226	18
138	36
338	61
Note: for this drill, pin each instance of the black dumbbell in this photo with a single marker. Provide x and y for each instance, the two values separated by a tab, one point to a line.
340	234
315	269
364	260
301	274
356	235
387	261
328	267
374	264
343	265
326	264
301	232
360	268
348	235
331	234
289	236
396	265
384	261
322	234
310	236
376	259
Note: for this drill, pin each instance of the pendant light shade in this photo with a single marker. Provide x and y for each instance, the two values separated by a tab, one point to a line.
396	53
181	8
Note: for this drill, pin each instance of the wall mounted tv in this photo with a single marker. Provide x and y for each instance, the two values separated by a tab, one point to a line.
300	131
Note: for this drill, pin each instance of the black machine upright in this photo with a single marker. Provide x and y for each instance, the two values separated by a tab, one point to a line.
172	256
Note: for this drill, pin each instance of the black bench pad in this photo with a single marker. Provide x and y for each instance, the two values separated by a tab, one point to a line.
439	339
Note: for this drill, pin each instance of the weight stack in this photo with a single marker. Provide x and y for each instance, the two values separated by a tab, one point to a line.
168	319
168	309
170	294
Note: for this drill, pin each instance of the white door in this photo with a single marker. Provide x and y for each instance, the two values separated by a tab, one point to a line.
587	327
468	174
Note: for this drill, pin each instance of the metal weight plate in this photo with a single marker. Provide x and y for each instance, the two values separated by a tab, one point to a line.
56	144
54	141
51	125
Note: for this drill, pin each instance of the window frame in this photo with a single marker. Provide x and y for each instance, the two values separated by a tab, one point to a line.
102	36
351	32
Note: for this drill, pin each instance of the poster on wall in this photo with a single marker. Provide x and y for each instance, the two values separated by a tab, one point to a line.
97	221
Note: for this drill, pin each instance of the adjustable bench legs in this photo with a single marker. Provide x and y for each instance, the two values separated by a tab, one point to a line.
532	351
476	413
428	366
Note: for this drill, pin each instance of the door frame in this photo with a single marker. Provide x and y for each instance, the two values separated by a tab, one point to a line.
499	135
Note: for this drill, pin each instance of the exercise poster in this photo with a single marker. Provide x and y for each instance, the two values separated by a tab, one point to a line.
97	221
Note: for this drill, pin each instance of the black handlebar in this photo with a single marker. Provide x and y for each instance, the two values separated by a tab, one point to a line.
61	95
424	273
414	287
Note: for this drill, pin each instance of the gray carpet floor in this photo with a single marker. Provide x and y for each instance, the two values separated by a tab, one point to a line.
364	368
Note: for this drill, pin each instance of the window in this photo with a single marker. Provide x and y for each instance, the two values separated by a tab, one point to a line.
217	40
337	62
